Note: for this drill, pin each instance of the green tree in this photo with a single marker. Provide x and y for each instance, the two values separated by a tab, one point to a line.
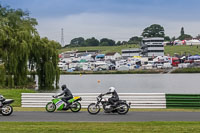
107	42
91	42
182	31
2	75
20	42
167	38
44	57
119	43
198	36
154	30
184	36
77	41
173	38
17	29
135	40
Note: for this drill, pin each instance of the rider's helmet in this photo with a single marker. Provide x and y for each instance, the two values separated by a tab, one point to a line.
111	89
63	87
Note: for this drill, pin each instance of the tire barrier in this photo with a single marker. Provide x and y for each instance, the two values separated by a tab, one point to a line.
138	100
183	100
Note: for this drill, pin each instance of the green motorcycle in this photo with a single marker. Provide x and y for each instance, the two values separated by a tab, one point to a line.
58	104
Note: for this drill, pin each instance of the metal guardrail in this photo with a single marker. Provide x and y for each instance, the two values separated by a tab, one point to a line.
138	100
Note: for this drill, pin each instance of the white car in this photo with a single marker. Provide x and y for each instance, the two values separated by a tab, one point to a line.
167	66
159	66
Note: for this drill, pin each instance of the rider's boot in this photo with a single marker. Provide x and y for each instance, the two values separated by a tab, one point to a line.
66	106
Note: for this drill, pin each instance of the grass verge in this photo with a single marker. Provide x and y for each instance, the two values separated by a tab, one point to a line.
15	94
106	127
187	70
153	71
171	50
102	49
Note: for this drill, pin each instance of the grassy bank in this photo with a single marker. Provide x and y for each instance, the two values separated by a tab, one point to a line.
15	94
103	49
168	49
139	71
187	70
106	127
193	50
154	71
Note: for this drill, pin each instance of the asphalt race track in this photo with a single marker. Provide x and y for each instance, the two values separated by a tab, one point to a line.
102	117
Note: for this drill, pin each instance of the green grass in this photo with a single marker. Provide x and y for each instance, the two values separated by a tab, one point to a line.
99	127
193	50
187	70
103	49
14	94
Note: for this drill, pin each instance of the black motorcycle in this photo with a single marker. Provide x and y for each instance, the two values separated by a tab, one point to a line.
120	107
5	108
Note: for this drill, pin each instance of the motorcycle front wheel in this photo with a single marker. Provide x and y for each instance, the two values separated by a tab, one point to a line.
7	110
93	109
123	108
75	107
50	107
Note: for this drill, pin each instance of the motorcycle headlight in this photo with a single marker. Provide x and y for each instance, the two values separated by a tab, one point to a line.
1	97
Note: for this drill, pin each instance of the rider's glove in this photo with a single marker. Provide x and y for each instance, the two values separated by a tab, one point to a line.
55	96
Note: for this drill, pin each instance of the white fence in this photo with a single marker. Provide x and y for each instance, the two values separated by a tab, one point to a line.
138	100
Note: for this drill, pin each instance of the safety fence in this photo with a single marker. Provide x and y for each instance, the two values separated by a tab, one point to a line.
183	100
138	100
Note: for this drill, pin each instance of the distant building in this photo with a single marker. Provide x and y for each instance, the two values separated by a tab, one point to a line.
113	56
84	53
192	42
152	47
131	52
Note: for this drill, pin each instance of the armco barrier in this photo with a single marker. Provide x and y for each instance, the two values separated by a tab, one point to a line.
138	100
183	100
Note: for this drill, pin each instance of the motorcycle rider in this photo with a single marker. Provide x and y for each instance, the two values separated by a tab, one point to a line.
113	100
67	95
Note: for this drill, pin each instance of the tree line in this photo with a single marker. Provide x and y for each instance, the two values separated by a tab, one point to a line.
81	42
22	49
154	30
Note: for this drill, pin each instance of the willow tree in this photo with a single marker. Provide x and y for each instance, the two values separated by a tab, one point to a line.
44	56
16	30
20	43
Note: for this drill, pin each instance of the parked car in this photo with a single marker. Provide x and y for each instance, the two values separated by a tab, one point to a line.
149	65
167	66
159	64
183	65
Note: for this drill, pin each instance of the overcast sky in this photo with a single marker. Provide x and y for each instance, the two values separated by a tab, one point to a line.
115	19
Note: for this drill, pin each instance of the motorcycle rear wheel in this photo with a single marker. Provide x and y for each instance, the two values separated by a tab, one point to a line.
123	108
7	110
76	107
93	109
50	107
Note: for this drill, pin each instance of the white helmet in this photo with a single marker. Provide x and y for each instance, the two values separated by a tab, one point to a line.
111	89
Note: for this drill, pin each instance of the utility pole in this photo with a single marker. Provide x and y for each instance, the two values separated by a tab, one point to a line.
62	38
